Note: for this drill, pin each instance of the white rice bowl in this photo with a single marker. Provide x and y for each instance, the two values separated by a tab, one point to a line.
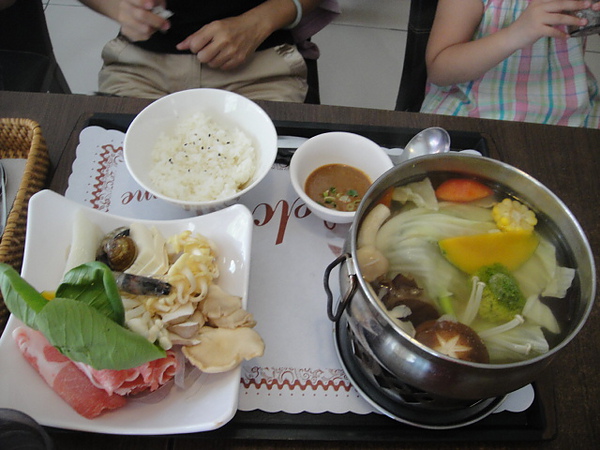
167	122
202	160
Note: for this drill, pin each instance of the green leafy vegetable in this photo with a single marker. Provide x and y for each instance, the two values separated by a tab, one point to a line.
82	328
93	283
21	299
83	334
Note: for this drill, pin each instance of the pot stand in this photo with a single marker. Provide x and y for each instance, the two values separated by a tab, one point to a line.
398	400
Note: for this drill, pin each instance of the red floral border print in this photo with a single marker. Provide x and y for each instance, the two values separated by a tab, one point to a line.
109	159
295	378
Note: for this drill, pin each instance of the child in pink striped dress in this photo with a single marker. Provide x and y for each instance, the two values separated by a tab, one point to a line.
511	60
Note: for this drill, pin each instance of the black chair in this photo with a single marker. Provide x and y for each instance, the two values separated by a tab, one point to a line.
27	61
20	431
313	96
414	72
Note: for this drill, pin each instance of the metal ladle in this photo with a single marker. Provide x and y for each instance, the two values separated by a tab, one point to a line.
428	142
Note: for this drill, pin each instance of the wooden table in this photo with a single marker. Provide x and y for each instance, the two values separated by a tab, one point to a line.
566	160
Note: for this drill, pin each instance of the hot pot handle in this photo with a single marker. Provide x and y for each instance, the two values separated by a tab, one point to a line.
334	316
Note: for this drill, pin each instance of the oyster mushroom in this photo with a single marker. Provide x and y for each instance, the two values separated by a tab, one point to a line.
185	330
185	323
240	318
225	310
222	349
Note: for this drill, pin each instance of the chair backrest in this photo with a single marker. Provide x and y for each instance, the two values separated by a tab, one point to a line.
24	33
414	72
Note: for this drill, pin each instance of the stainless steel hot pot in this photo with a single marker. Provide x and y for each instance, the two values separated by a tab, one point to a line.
418	365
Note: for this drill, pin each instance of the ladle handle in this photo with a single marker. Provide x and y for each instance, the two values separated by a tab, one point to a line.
334	315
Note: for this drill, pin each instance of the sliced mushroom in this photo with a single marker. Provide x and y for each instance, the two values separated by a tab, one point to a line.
224	310
222	349
420	311
186	330
178	340
239	318
179	315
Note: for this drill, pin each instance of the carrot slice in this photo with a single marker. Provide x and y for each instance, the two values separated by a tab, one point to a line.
386	198
462	190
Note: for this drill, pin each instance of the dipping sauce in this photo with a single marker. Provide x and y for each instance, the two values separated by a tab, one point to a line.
337	186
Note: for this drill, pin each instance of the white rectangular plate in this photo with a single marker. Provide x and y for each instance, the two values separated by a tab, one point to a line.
208	404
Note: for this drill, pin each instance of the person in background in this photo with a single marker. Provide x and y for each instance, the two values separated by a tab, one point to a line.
6	3
511	60
245	46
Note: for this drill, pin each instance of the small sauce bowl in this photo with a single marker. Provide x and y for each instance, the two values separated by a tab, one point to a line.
336	147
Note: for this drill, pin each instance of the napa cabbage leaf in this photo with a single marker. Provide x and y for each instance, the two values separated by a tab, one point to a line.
517	344
410	243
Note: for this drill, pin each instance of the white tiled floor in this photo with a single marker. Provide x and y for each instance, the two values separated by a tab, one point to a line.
361	52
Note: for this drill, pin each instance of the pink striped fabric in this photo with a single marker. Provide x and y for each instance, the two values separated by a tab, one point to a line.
547	82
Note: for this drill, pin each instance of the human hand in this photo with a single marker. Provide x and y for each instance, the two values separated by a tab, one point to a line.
225	44
137	20
547	18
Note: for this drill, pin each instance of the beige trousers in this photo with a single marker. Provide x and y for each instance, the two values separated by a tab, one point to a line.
277	74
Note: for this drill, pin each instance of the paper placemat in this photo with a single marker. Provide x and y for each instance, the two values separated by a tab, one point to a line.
300	370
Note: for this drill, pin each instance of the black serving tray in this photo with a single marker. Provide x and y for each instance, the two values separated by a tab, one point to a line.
536	423
389	137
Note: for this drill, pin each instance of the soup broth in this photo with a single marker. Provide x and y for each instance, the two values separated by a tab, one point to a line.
395	246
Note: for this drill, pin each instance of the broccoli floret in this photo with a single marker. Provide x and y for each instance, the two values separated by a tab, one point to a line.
502	298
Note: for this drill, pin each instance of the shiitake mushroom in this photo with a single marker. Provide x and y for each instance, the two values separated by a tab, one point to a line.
453	339
403	290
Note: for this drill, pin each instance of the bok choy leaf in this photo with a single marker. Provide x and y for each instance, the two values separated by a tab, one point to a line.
89	337
94	283
21	299
86	325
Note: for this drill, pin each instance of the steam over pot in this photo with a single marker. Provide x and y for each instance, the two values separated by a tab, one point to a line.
418	365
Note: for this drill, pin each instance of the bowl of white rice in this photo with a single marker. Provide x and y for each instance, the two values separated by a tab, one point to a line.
201	149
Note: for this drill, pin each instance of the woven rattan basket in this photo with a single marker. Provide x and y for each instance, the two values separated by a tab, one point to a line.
21	138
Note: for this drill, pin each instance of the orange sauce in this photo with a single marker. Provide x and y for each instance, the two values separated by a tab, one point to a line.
337	186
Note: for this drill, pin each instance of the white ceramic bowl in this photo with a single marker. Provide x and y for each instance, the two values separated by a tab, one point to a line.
226	108
336	147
